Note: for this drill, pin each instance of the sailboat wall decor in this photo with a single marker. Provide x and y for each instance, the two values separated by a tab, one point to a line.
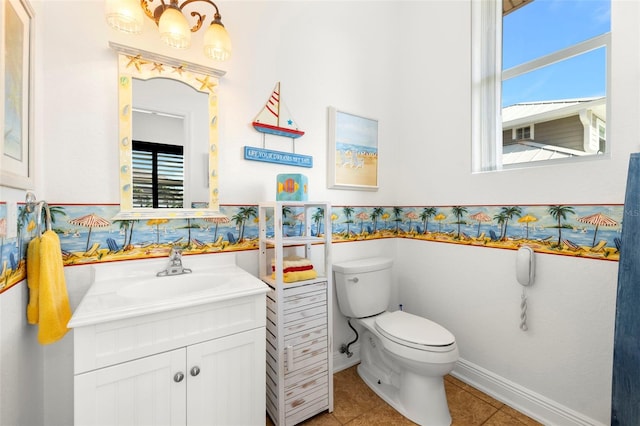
275	118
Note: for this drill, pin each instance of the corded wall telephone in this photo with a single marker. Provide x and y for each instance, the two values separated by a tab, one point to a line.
525	266
525	272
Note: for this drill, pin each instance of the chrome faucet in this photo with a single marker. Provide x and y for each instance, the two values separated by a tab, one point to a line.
175	264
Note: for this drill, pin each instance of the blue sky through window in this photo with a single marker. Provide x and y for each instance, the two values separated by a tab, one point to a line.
545	26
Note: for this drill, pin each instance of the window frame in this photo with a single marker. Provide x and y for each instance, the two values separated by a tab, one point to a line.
486	86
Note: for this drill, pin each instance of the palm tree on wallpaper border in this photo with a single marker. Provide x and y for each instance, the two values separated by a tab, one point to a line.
501	218
375	214
559	212
317	218
508	213
244	214
458	211
347	213
425	215
397	211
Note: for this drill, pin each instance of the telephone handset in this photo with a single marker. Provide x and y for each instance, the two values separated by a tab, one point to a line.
525	266
525	271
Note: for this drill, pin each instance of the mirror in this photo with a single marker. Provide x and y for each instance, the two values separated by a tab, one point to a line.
174	105
170	135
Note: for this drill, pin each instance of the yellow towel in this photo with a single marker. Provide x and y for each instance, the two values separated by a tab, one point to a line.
48	298
33	279
291	277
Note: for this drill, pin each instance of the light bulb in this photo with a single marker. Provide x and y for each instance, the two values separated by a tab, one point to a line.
124	15
174	28
217	44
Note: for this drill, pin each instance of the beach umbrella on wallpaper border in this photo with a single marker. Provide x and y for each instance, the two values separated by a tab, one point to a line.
526	219
217	220
90	221
439	218
598	220
480	217
362	216
157	223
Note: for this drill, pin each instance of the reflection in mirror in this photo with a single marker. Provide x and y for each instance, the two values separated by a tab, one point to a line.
167	109
170	138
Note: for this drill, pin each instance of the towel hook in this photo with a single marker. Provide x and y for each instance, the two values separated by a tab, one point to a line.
31	205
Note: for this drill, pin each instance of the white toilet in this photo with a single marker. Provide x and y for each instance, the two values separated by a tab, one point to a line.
403	357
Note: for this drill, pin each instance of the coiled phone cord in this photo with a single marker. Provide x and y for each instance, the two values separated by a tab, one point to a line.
523	311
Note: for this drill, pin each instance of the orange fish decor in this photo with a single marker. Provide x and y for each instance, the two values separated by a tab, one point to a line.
292	187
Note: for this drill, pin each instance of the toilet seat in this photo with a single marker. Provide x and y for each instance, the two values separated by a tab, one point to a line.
414	331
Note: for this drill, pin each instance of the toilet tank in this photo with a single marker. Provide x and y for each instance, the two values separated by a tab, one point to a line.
363	286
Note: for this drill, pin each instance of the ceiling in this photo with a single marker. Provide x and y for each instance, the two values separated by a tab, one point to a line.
509	6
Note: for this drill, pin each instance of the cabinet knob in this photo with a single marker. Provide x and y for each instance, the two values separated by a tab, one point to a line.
195	371
178	377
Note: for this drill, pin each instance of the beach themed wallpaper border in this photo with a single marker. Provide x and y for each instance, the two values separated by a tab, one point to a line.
88	234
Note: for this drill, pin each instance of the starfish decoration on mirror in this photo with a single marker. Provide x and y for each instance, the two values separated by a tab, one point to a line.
179	69
137	62
157	66
206	83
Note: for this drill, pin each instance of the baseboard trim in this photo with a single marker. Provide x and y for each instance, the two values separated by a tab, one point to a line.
524	400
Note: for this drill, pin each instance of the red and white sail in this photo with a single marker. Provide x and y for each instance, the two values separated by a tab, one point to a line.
275	118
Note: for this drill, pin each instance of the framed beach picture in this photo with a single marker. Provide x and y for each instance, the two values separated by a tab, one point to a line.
352	160
16	39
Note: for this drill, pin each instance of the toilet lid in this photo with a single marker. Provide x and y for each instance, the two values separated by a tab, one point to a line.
412	330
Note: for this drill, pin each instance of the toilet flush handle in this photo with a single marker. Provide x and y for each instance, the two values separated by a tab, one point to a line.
355	279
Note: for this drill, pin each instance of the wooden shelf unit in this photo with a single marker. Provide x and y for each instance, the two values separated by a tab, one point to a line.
299	316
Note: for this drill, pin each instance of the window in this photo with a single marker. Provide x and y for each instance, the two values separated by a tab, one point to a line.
158	175
523	133
539	64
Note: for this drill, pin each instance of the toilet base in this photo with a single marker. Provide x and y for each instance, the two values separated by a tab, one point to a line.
430	411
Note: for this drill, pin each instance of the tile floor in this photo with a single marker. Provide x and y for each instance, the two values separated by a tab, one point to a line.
356	404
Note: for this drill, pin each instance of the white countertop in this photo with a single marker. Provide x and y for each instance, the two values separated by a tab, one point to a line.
105	302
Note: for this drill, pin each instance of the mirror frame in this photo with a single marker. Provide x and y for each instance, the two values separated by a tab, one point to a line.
135	63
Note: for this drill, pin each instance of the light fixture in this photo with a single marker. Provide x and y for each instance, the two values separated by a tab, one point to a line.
127	16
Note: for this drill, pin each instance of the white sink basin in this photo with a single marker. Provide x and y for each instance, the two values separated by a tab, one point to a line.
129	289
175	286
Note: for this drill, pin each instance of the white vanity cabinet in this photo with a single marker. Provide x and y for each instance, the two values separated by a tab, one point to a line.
299	314
202	364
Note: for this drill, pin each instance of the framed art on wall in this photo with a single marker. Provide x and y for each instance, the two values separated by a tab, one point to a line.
16	39
352	160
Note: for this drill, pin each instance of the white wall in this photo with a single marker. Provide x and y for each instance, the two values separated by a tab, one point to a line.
21	362
304	45
418	85
566	356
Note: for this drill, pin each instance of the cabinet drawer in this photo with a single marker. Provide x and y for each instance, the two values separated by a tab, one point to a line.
307	387
305	312
294	378
304	350
299	301
305	324
293	291
305	336
306	409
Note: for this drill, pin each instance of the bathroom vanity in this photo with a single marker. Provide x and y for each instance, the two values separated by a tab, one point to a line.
299	314
178	350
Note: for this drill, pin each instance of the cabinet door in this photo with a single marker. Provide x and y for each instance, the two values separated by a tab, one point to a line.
135	393
229	387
